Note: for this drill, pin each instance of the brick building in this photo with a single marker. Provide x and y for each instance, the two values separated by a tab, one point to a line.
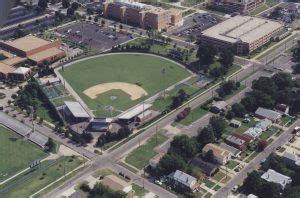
142	15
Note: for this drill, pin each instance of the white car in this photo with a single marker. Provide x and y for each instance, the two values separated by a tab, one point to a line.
158	182
234	189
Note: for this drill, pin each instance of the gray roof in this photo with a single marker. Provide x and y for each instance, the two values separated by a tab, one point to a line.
135	111
14	125
264	124
293	157
235	122
206	167
229	148
273	176
235	140
219	104
254	132
267	113
76	109
183	178
38	139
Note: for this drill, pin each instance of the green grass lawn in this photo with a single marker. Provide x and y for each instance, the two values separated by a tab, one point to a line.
231	164
216	188
129	68
47	113
60	101
139	191
140	156
266	134
219	176
190	3
251	157
285	120
40	180
194	115
16	153
229	130
209	183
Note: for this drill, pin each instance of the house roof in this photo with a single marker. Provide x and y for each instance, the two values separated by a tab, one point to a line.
135	111
21	70
206	167
219	104
264	124
267	113
254	132
235	140
273	176
76	109
235	122
114	182
45	54
229	148
217	150
183	178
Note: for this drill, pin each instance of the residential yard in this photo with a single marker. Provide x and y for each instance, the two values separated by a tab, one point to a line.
209	183
139	191
194	115
266	134
140	157
16	153
219	176
285	120
229	130
232	164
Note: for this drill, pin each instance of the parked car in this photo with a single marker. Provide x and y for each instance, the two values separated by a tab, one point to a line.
158	182
127	177
122	174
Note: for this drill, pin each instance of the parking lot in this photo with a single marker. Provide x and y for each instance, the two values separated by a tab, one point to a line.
94	36
287	13
194	25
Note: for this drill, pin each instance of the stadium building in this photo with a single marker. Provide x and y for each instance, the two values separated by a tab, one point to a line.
142	15
242	34
241	6
28	50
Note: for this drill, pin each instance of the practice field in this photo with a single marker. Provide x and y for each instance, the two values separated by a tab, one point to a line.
121	80
16	154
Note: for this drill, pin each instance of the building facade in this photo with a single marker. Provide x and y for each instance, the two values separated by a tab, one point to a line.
142	15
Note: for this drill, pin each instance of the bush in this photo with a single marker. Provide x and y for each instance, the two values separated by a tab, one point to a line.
85	187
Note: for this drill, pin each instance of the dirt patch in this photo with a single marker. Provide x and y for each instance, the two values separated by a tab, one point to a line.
133	90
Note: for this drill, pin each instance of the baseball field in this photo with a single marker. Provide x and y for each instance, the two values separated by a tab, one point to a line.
113	83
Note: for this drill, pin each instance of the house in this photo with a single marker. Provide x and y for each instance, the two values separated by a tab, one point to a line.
181	179
245	137
267	113
236	142
116	183
221	155
264	124
155	160
292	160
20	74
254	132
275	177
282	108
218	106
207	168
235	123
230	149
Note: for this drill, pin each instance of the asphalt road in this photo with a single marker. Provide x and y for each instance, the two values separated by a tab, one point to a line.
254	164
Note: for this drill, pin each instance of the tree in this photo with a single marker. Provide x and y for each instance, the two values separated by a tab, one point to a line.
70	12
87	137
227	88
269	189
266	85
206	54
218	125
282	80
50	145
43	4
238	109
75	5
170	163
226	58
184	146
274	162
209	156
262	144
100	190
252	183
249	103
65	3
205	136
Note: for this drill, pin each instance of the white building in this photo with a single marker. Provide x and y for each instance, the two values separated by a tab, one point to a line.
183	179
275	177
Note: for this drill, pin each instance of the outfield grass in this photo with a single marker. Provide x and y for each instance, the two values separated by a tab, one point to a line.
130	68
40	180
140	157
16	154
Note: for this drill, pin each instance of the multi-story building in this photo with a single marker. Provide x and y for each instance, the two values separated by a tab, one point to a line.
229	6
241	34
142	15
